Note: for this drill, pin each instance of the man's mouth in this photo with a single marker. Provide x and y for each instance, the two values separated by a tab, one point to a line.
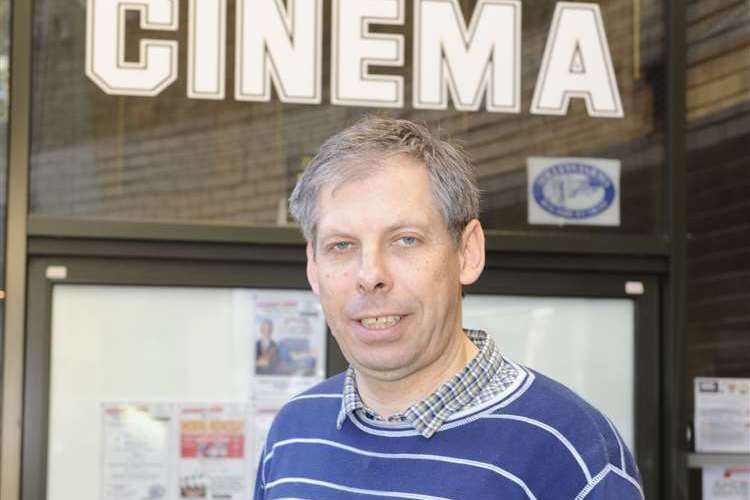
379	322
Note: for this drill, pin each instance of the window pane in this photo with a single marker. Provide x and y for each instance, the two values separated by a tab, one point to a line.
172	157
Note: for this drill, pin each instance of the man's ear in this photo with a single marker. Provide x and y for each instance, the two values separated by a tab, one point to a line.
471	252
312	268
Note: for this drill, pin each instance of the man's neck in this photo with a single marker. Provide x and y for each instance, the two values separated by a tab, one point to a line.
388	397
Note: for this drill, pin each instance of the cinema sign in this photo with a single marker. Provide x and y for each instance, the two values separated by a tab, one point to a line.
281	45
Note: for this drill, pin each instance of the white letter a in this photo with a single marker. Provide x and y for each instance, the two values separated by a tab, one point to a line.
577	63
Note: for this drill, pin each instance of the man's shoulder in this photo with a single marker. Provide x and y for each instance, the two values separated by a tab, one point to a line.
561	408
566	417
331	385
320	401
549	398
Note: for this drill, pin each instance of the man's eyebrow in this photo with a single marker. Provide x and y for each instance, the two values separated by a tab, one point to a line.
398	226
334	234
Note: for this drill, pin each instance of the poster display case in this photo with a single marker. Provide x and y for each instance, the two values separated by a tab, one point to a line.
155	390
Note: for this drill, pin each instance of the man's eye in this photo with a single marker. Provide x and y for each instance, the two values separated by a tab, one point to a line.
407	241
341	245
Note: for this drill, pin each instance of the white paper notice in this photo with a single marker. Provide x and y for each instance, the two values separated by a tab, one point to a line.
721	483
213	461
722	415
136	450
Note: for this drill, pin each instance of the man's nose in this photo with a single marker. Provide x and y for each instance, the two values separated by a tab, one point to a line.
373	273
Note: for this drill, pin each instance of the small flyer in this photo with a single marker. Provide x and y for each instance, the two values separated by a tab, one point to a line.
721	483
722	415
136	451
288	343
213	461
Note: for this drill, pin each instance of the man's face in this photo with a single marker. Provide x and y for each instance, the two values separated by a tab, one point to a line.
388	273
265	330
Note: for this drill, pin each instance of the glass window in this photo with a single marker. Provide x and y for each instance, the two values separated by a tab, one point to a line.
174	157
587	344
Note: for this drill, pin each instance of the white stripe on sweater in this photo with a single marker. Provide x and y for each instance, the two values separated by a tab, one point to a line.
619	443
600	477
315	396
552	431
349	489
407	456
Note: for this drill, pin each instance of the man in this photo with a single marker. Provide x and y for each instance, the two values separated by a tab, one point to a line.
266	350
426	410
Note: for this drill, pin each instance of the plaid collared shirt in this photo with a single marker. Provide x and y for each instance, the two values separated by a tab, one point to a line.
483	378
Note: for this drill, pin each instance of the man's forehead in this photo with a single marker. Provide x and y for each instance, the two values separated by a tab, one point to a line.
397	194
403	175
364	167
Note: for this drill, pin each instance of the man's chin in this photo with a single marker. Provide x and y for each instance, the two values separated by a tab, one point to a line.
390	370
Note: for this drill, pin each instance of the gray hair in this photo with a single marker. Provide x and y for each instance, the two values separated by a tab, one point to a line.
353	153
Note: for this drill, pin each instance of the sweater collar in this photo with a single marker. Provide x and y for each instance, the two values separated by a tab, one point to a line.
427	415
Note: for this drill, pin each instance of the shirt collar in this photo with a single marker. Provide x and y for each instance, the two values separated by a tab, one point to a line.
458	393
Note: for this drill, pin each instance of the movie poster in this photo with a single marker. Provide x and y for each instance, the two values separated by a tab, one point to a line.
288	342
213	458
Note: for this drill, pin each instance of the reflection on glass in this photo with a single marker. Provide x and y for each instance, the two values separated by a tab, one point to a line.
171	157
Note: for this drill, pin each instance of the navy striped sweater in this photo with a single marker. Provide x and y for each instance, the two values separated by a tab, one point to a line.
536	440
